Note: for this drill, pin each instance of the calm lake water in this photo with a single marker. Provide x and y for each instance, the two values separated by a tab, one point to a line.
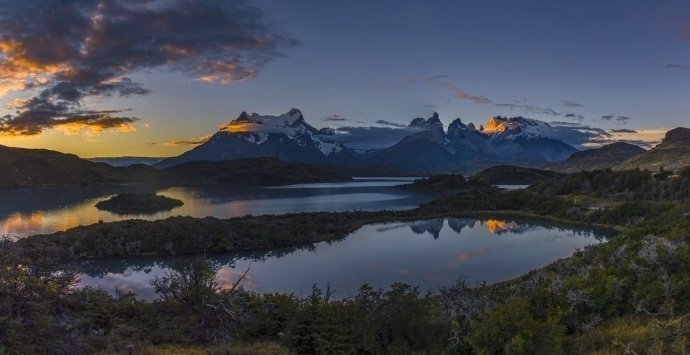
31	211
428	253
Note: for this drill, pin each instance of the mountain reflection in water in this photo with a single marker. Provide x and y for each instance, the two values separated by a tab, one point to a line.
429	253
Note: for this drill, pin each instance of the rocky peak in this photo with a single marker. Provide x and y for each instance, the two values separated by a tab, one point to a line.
432	124
296	113
243	117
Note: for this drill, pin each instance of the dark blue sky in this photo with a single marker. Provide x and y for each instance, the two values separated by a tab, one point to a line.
362	61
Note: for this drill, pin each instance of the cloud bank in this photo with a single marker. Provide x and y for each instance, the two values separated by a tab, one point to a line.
70	50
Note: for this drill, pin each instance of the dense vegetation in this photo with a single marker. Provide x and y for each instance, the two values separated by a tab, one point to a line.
621	185
187	235
514	175
135	203
629	295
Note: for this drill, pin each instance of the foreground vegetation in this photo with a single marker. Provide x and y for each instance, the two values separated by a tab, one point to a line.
630	295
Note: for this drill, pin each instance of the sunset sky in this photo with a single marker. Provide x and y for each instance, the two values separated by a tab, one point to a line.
142	78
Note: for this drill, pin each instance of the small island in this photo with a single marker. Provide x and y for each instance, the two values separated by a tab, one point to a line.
136	203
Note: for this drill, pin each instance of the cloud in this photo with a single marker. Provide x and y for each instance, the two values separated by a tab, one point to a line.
623	130
576	134
623	119
530	109
645	138
197	141
389	123
583	136
569	103
435	78
477	99
674	66
371	137
575	116
335	118
78	49
620	119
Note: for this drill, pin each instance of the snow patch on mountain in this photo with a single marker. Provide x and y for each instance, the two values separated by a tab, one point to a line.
256	128
514	127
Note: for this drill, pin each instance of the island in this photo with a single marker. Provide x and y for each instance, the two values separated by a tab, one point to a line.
138	203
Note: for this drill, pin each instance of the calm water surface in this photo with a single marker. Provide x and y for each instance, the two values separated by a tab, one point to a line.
428	253
31	211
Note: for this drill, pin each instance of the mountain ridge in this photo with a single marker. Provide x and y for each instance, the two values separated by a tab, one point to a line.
429	148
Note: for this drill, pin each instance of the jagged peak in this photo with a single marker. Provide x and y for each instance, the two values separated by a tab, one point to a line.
432	121
457	123
242	117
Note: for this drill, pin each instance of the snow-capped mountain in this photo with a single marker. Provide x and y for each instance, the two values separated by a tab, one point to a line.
521	139
426	149
287	137
463	148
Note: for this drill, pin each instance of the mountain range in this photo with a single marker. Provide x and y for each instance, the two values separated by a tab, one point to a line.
429	148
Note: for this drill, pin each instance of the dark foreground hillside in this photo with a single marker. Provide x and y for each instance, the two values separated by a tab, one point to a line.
628	295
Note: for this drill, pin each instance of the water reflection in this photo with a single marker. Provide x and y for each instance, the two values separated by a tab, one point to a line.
429	253
25	212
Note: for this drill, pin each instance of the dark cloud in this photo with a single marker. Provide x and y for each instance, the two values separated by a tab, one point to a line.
335	118
569	103
623	119
623	130
389	123
75	49
674	66
575	116
607	117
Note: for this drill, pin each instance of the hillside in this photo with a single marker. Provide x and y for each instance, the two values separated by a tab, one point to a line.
601	158
248	171
672	154
39	167
514	175
33	167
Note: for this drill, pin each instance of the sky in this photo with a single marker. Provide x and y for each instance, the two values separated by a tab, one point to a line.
152	78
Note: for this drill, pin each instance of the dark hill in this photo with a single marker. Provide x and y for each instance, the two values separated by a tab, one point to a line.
21	167
514	175
601	158
672	154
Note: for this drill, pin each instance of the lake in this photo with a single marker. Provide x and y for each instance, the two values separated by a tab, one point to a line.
29	211
429	253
